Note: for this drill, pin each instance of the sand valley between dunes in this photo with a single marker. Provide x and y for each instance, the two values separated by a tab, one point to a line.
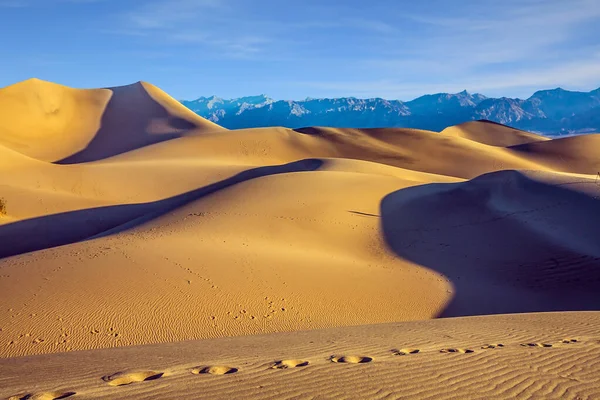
131	228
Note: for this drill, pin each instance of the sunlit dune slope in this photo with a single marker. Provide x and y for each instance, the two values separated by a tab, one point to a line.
419	150
278	248
52	122
492	133
156	225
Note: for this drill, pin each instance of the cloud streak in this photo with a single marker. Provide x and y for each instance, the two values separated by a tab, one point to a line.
573	75
510	46
396	48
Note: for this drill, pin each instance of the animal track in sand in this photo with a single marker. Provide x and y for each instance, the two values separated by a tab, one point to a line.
536	345
214	370
492	346
125	378
456	350
404	352
42	396
284	364
350	359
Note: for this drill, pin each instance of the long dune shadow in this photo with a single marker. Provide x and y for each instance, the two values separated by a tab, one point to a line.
73	226
505	242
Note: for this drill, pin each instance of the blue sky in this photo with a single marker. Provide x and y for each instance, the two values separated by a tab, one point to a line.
394	49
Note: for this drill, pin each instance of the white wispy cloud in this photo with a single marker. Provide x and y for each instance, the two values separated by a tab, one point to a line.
574	75
385	47
170	14
354	23
504	31
223	25
194	22
509	45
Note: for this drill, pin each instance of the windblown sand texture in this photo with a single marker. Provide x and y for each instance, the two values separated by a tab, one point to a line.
126	219
519	356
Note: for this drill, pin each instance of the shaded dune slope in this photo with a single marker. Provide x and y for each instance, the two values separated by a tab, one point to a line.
578	154
508	241
419	150
48	231
136	116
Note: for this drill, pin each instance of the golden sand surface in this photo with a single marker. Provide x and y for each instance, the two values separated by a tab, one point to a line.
128	220
517	356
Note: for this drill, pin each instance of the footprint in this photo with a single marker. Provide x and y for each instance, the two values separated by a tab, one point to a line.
125	378
284	364
492	346
42	396
463	351
215	370
536	345
350	359
404	352
569	341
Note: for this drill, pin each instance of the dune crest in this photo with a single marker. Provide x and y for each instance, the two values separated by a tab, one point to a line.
492	133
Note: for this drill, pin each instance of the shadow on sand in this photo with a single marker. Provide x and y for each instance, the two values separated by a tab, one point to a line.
506	243
69	227
132	119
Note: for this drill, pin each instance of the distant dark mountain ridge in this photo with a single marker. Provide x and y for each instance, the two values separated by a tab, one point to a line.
550	112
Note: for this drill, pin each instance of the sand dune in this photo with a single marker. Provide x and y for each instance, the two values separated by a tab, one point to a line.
473	233
193	276
578	154
522	356
492	133
52	122
127	220
420	150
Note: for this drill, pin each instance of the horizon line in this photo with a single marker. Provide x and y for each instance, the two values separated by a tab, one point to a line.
308	98
388	99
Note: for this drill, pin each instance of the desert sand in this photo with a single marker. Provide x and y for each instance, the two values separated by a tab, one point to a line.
129	222
521	356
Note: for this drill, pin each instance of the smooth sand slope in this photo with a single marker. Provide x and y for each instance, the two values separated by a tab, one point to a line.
128	220
578	154
492	133
522	356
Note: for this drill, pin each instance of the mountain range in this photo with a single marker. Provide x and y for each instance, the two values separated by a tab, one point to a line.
551	112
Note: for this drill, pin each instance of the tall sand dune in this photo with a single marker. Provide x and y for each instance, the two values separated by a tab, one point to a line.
475	233
578	154
55	123
125	219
